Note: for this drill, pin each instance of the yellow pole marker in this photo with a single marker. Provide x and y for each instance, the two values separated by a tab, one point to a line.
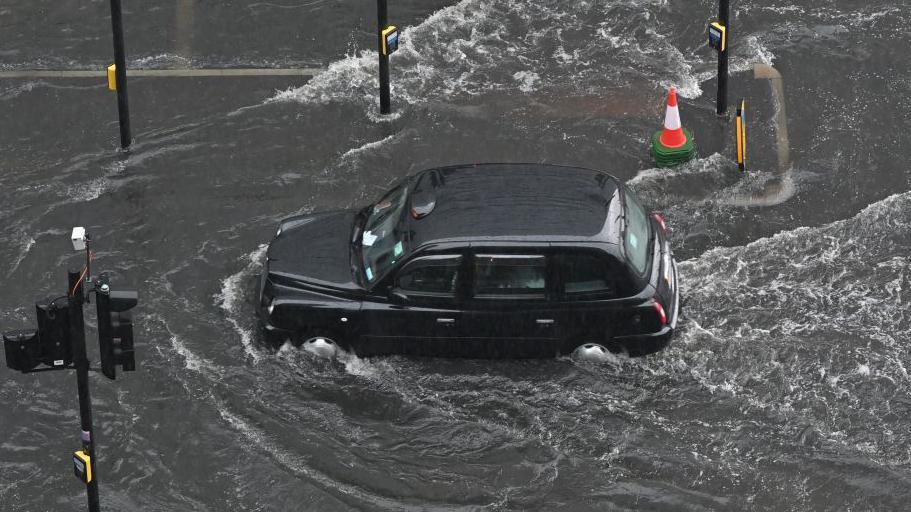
741	136
112	77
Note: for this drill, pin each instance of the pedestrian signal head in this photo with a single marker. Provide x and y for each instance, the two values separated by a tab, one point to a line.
389	40
718	36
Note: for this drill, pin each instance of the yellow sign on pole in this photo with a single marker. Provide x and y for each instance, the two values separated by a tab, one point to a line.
741	135
112	77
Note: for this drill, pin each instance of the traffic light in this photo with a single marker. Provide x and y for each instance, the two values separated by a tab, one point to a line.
50	344
115	329
59	342
54	332
22	350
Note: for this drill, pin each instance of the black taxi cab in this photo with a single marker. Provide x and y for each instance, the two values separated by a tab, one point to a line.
483	260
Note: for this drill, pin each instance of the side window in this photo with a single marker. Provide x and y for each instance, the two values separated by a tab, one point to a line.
586	275
509	276
637	234
433	276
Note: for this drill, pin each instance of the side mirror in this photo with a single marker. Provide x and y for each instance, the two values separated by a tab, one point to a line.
396	295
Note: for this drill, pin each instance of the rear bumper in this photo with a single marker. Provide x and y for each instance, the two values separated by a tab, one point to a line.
643	344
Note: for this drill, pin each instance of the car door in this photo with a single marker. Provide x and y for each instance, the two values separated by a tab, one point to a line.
508	311
587	283
419	311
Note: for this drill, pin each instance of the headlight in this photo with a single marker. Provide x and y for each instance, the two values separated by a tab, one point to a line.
271	306
279	232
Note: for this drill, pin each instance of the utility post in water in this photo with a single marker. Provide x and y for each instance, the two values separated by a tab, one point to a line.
117	77
387	42
719	37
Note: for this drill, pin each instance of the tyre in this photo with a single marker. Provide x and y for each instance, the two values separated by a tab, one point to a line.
320	342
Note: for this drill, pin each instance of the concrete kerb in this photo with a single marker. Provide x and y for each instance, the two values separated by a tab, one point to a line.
163	73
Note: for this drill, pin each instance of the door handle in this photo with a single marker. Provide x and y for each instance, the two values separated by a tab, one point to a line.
545	322
446	321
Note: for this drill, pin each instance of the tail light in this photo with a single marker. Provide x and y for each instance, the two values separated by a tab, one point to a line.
660	220
661	314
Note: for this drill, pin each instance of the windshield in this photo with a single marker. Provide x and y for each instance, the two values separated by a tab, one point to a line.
382	243
636	237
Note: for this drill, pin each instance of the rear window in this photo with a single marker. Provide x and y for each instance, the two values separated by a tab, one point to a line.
637	234
586	275
512	276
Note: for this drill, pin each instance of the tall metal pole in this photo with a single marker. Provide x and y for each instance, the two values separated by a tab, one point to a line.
723	17
382	20
123	104
81	362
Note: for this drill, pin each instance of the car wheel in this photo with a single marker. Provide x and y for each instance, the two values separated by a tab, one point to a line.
320	342
592	352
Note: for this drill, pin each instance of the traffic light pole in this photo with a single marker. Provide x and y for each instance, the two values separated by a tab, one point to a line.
382	20
120	61
81	363
722	99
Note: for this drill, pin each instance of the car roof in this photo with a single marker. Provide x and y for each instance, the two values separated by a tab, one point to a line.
514	202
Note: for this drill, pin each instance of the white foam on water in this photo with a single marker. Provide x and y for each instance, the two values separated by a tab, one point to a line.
360	367
478	46
302	467
777	189
751	50
9	93
93	189
162	60
527	80
808	320
258	6
191	360
230	299
366	147
23	252
711	166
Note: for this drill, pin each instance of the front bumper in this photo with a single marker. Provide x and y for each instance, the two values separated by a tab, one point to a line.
262	312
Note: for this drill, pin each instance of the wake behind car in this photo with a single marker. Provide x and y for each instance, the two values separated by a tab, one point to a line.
493	260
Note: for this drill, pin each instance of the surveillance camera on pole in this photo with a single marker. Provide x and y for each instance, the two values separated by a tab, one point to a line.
59	344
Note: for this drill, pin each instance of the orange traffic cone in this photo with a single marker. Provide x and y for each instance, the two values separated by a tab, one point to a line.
673	136
672	145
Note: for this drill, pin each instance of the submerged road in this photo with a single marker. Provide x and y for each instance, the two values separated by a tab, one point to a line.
787	388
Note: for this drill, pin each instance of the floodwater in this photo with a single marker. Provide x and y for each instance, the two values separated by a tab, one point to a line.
787	387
